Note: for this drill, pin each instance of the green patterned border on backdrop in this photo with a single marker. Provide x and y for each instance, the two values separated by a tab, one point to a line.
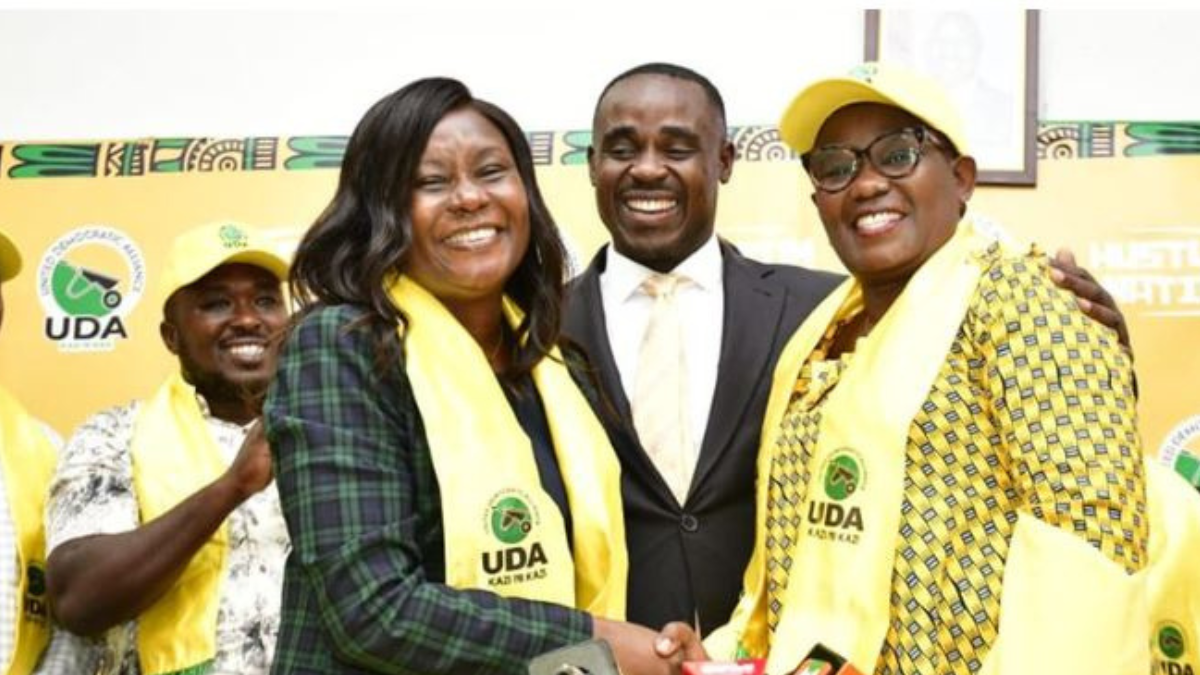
141	157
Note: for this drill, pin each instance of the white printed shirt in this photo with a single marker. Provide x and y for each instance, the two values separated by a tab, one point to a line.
93	493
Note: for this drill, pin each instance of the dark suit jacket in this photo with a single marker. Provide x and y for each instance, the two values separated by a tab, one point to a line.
687	562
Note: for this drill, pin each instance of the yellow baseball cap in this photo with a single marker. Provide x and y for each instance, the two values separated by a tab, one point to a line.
871	82
10	258
203	249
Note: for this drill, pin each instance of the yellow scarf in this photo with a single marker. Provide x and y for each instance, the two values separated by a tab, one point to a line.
839	587
503	532
1173	587
174	456
1053	620
28	460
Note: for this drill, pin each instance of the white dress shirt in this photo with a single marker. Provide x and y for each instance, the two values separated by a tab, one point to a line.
702	311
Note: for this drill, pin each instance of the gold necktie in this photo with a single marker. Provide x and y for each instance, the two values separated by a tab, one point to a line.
660	394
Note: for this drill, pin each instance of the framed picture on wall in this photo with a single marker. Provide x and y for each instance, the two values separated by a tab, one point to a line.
988	61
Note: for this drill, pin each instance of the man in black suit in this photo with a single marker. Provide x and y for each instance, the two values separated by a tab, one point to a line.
660	152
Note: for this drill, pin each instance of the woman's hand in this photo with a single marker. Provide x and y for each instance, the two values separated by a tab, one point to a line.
640	651
677	641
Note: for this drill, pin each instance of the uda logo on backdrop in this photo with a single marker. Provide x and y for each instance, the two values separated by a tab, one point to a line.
88	282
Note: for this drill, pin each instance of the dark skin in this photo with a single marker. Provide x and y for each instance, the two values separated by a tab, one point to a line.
659	158
920	212
1093	299
925	207
470	219
222	327
659	137
467	184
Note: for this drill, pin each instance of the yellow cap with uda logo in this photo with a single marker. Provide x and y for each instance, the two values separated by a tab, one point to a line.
10	258
199	251
872	82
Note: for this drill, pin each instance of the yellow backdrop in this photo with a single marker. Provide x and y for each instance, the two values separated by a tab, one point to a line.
93	220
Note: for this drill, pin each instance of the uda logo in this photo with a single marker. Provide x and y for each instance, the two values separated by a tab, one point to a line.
232	237
513	520
843	475
88	282
1171	650
1180	450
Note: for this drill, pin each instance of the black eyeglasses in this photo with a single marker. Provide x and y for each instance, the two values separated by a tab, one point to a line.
895	154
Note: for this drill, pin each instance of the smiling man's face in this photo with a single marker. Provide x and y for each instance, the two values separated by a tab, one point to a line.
658	158
223	329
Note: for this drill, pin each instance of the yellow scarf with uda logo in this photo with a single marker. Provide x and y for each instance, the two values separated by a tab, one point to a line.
27	459
174	456
503	532
1173	575
840	596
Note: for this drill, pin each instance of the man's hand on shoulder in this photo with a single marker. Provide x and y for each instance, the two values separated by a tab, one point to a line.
1093	299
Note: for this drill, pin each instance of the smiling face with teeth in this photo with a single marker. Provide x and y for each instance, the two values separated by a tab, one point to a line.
470	213
222	328
659	157
883	229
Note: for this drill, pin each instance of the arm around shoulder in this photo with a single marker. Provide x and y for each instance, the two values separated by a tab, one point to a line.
1061	391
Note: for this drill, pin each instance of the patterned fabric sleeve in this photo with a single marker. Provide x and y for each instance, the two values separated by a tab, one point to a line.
92	493
351	466
1060	389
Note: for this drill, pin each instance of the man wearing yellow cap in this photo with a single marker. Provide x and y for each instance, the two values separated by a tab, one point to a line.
28	450
163	525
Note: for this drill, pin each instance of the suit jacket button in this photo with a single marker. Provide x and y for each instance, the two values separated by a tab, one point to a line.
689	523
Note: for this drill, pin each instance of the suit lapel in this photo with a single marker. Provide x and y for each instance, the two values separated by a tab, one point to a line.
584	322
753	309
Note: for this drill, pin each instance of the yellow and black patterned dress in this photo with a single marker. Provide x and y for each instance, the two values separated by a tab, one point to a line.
1031	409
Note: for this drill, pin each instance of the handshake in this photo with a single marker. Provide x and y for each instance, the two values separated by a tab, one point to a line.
679	645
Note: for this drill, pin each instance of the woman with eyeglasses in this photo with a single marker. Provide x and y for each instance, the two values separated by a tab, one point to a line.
950	479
